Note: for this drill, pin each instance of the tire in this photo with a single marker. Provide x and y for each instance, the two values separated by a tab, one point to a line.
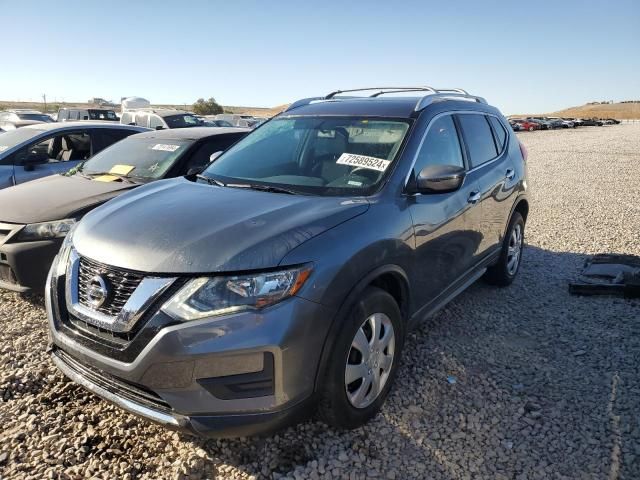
336	397
531	129
504	271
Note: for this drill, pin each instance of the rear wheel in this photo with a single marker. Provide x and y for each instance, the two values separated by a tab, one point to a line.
506	269
531	129
363	361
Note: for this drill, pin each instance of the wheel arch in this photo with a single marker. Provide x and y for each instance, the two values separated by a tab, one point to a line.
390	278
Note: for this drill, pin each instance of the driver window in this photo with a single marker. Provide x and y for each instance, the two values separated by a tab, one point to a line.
61	148
441	146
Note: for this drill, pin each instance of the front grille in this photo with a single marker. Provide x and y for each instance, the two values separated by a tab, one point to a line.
115	339
122	388
122	284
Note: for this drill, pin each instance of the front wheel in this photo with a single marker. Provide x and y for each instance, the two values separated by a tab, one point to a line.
363	361
506	269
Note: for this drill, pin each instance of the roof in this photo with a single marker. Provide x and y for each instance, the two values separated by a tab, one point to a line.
398	107
86	124
192	133
162	112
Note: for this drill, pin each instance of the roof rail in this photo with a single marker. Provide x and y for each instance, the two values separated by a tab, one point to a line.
429	99
431	95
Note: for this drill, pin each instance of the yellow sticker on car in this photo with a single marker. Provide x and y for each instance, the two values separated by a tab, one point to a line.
121	169
106	178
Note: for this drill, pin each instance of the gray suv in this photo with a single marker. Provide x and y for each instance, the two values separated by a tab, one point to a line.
284	278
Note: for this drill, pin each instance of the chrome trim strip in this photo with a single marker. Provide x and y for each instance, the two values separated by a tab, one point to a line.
149	289
426	132
13	229
135	408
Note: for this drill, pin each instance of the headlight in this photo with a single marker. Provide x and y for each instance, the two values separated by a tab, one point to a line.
46	230
61	260
207	296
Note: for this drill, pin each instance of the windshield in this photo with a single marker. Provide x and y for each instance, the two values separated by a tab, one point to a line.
102	115
12	138
182	121
316	155
143	158
35	116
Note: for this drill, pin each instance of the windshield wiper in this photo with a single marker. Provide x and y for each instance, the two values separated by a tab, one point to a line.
210	180
264	188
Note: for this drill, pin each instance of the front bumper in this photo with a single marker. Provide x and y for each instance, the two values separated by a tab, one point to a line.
24	265
242	374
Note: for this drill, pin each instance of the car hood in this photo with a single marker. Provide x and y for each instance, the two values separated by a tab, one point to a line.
177	226
55	197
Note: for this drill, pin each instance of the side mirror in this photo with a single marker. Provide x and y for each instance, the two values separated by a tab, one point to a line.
440	179
33	158
159	127
214	156
195	171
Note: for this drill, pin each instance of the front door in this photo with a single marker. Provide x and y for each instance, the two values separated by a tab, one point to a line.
445	224
56	154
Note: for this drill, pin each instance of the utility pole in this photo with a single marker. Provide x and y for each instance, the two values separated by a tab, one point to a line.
44	98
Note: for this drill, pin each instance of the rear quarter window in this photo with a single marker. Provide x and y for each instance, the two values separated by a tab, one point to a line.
499	131
478	138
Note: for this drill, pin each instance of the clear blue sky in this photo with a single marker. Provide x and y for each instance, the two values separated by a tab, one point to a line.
525	56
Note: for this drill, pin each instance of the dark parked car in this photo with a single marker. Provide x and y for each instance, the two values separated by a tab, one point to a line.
286	277
36	151
12	119
35	217
76	114
591	122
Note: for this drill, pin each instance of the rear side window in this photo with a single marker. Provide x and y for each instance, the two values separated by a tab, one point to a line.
110	136
499	131
441	146
478	137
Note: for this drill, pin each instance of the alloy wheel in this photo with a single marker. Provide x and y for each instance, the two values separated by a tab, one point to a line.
514	250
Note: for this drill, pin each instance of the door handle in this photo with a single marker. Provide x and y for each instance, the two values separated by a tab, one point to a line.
510	175
474	197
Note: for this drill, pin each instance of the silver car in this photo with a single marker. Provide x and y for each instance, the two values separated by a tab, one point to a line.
36	151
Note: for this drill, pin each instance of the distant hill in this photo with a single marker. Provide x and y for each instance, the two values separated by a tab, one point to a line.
620	111
53	106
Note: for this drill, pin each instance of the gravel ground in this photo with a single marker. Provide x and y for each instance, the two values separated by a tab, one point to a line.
522	383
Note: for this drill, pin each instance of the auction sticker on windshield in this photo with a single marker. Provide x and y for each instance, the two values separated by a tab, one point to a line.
362	161
165	147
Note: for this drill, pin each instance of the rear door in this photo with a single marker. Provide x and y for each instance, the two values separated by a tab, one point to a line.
55	154
492	171
6	171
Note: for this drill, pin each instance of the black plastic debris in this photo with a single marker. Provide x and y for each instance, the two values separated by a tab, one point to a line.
609	275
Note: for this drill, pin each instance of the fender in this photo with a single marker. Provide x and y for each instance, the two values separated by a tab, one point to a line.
350	300
519	198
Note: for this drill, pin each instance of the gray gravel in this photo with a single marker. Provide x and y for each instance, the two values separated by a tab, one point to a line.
522	383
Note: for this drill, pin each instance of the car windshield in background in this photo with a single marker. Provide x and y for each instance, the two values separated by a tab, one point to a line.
12	138
137	158
102	115
35	116
182	121
315	155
